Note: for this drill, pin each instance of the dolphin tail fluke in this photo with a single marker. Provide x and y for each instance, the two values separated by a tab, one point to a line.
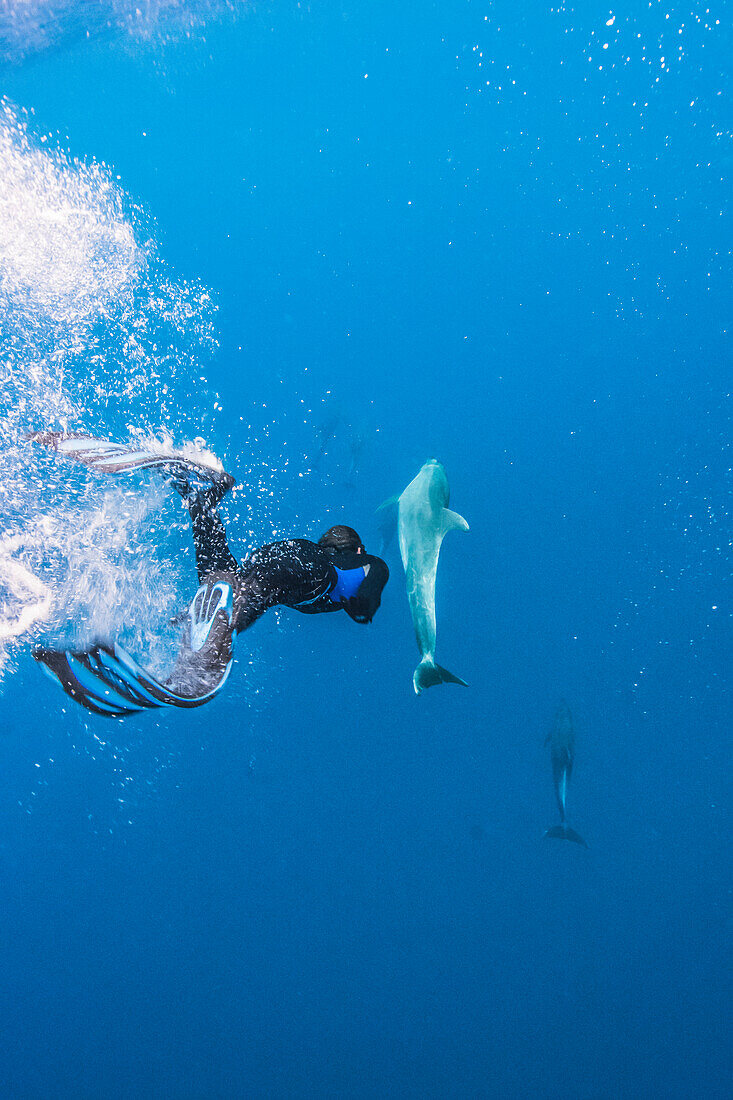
428	674
564	832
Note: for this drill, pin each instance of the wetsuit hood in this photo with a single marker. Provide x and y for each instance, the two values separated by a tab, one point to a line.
341	538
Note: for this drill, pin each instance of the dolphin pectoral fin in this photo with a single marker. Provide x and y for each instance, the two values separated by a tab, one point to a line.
564	832
453	522
428	674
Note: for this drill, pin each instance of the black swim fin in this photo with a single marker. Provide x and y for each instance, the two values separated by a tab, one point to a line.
564	832
107	681
195	491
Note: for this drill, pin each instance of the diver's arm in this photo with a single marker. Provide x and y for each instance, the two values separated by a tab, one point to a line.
363	606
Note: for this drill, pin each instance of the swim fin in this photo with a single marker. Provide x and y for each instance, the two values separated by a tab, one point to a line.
122	458
428	674
564	832
106	680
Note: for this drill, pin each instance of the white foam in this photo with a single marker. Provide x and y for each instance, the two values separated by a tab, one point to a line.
68	254
24	598
85	305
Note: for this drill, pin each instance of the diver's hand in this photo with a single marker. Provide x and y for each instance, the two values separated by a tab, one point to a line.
359	608
363	605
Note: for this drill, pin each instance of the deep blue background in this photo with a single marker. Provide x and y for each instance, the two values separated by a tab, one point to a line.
334	888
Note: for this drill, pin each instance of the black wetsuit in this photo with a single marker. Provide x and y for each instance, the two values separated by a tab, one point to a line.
294	573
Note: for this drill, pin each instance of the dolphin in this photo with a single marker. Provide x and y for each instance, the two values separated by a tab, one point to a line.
360	438
423	520
325	432
561	740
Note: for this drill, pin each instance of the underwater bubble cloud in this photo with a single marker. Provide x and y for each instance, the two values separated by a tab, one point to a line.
97	334
67	252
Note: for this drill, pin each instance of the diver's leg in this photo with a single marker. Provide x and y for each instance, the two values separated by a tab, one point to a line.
209	539
254	594
230	601
209	536
206	647
226	603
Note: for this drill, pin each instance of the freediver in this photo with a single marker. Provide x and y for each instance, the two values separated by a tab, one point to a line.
334	574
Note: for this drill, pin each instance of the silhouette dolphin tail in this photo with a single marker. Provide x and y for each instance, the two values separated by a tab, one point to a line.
564	832
427	674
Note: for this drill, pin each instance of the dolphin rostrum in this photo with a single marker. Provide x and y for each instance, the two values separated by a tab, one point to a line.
561	740
423	520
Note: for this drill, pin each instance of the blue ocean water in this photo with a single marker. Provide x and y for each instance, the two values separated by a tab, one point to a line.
331	241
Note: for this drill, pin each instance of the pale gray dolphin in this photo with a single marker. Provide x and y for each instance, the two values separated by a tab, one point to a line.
561	740
423	520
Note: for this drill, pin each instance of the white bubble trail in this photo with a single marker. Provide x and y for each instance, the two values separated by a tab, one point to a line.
95	335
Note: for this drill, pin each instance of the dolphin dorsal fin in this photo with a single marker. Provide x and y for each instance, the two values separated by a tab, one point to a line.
453	522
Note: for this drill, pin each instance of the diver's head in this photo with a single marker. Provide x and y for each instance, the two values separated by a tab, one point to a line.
341	537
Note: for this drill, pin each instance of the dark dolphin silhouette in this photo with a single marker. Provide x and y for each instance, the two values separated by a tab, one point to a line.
561	740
